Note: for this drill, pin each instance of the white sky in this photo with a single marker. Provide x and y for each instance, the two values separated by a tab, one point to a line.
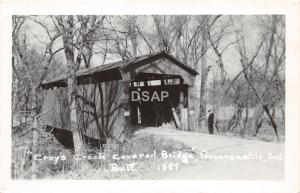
36	34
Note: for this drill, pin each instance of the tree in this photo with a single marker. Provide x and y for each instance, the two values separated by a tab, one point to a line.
206	23
79	34
126	37
219	39
252	74
31	71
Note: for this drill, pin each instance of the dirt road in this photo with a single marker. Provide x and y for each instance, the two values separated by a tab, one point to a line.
227	158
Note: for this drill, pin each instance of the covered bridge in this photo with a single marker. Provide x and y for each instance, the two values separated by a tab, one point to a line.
118	98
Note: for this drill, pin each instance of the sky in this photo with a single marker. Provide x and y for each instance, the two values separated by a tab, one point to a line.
36	35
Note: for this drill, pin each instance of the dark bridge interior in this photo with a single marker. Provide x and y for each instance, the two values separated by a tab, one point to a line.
153	108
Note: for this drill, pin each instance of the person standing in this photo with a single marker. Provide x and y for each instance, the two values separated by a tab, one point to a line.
210	122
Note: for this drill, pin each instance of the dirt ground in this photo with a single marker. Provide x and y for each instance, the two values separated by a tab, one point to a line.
225	157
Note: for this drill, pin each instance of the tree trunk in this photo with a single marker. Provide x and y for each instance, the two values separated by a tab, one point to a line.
257	119
264	105
203	90
246	117
283	115
35	134
218	107
77	136
197	86
246	112
35	137
67	31
204	74
177	45
26	108
272	121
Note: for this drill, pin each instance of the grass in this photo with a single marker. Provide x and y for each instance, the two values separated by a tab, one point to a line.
145	168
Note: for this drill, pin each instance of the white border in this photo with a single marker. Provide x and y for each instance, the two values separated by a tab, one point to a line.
292	170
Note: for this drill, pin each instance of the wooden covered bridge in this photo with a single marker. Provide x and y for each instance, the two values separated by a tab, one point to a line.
118	98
